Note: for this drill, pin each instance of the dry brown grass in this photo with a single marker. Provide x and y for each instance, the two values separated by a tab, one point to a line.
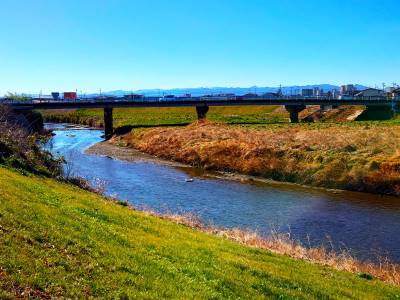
282	244
362	158
19	148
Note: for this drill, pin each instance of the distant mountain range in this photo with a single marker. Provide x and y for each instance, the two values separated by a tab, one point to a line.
225	90
201	91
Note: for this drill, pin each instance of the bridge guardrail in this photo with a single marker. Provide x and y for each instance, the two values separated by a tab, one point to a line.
194	99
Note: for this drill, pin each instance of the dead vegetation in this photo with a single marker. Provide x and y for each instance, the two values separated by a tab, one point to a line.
19	148
359	158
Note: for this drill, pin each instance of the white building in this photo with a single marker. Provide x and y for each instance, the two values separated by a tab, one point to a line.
371	93
317	92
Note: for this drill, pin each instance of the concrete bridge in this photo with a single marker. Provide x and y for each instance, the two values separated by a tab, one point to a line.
381	108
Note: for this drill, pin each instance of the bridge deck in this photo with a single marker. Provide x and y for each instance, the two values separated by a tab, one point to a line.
187	102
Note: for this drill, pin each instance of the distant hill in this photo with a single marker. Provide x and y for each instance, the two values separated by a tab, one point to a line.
219	90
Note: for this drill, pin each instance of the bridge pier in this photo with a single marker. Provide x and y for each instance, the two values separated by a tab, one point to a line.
108	122
202	111
294	112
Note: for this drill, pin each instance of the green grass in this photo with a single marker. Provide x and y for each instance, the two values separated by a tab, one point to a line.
170	116
147	117
58	240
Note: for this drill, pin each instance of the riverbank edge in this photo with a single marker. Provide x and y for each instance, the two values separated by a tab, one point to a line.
108	149
219	154
280	245
133	154
126	153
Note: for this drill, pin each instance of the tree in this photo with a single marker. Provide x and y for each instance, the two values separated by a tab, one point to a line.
15	97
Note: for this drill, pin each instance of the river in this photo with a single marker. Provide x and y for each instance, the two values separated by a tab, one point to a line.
366	224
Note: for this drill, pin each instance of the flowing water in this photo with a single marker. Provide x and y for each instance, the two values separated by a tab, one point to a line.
365	223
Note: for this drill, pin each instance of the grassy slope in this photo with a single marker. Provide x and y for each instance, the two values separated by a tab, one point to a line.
58	240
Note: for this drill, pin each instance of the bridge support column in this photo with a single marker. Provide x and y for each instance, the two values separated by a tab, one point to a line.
396	107
294	112
108	122
202	111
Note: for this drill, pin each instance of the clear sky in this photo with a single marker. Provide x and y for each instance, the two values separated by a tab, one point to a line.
59	45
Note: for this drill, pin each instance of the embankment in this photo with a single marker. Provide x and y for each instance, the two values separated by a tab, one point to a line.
58	241
360	158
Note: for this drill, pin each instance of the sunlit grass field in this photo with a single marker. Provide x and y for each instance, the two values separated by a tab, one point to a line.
258	116
57	240
171	116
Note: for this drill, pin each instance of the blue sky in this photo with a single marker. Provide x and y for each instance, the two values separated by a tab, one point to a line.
86	45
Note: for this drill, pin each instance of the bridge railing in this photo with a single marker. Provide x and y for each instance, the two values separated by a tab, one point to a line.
203	98
13	101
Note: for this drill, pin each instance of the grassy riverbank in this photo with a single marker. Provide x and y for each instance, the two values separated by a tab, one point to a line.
352	156
57	240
